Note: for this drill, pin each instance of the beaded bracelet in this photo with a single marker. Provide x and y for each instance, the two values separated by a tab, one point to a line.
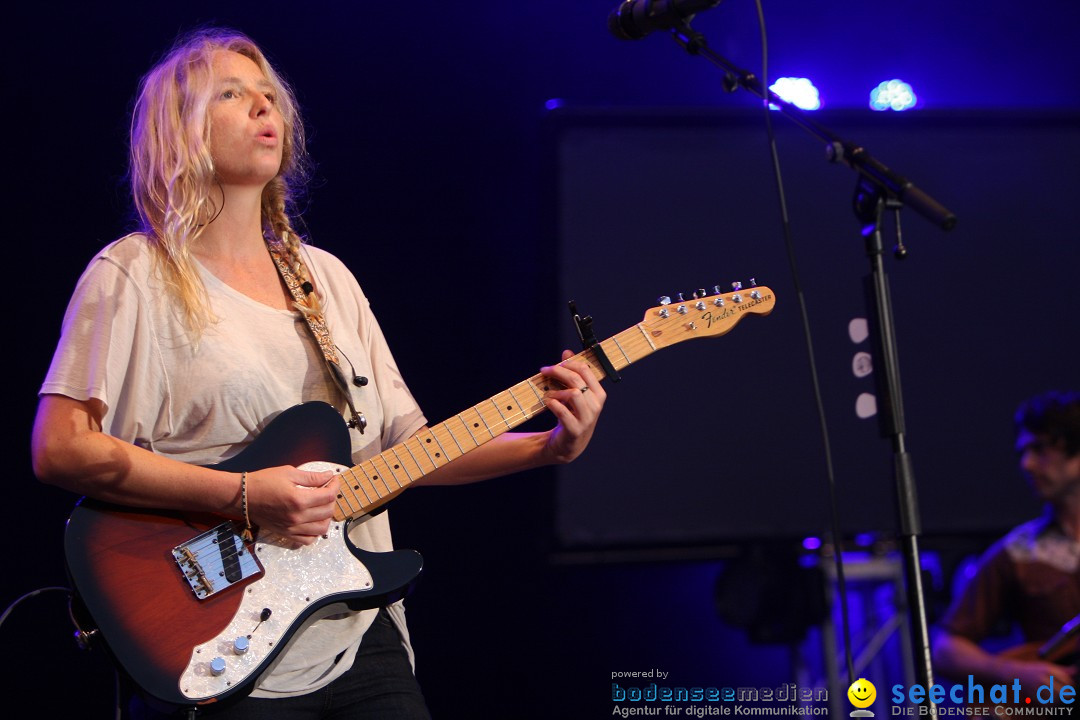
246	535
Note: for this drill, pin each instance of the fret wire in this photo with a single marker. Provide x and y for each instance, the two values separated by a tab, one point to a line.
521	408
402	465
342	495
360	486
423	446
480	417
532	386
646	336
468	430
439	442
453	437
619	345
373	477
389	469
499	410
419	467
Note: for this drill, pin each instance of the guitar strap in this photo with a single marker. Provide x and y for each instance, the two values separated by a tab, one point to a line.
307	302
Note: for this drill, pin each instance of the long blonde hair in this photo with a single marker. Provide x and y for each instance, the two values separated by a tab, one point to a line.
172	172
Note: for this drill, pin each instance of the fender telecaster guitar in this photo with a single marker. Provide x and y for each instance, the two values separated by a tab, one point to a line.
193	614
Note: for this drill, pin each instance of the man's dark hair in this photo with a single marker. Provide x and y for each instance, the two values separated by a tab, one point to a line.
1054	416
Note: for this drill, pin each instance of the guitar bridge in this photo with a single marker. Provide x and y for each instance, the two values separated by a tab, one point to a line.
215	560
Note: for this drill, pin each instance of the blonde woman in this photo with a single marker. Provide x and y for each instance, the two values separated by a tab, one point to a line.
183	341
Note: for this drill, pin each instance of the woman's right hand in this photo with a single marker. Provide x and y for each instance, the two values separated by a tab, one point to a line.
296	504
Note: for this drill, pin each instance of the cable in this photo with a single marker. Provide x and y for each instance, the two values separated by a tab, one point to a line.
27	596
841	584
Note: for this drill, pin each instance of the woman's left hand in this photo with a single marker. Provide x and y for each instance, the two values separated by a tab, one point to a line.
576	408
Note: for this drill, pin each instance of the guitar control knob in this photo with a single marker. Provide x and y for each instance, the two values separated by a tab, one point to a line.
217	666
240	645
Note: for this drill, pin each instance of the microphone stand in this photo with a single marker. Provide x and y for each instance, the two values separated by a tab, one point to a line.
878	189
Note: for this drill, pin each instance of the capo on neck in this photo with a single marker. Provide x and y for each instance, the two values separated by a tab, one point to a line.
583	325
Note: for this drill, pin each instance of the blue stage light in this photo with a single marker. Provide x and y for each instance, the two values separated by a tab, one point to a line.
553	104
893	95
800	92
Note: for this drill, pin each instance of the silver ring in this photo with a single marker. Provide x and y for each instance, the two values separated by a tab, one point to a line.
585	389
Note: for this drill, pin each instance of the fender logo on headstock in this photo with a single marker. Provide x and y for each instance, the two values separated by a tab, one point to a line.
731	310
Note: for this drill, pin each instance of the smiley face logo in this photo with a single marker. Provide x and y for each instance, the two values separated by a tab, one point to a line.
862	693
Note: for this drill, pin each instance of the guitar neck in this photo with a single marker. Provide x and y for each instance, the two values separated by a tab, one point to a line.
377	480
374	482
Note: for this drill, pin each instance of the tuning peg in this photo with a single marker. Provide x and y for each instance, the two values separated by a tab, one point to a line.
736	285
700	293
717	289
679	297
753	282
664	300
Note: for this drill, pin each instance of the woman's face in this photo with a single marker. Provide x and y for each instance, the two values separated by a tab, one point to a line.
246	127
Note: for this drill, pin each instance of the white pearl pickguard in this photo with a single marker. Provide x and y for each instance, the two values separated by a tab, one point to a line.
294	580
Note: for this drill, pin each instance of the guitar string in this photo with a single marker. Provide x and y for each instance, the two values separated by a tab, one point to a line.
525	411
210	542
632	344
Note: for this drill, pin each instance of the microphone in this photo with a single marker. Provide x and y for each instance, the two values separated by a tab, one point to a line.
634	19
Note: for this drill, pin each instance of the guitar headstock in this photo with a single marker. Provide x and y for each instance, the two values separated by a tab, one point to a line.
702	315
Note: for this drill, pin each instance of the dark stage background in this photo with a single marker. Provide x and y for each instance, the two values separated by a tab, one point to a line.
470	212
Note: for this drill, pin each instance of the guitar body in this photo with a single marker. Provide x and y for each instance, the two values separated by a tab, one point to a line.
165	637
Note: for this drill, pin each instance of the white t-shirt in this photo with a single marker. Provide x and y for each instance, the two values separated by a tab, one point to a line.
124	343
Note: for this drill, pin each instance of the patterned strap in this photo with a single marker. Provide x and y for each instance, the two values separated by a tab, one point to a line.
307	302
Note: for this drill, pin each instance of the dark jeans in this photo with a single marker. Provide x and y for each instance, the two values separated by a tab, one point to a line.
379	686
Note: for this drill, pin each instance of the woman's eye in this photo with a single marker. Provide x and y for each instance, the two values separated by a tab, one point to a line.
228	95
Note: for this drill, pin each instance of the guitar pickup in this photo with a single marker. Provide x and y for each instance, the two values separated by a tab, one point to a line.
215	560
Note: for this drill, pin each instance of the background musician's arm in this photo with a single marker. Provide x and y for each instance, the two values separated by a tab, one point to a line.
956	657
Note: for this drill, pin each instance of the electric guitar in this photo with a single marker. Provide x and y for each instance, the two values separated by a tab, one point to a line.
1062	649
193	614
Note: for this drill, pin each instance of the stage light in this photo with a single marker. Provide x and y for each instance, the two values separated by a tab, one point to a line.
800	92
811	543
893	95
553	104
